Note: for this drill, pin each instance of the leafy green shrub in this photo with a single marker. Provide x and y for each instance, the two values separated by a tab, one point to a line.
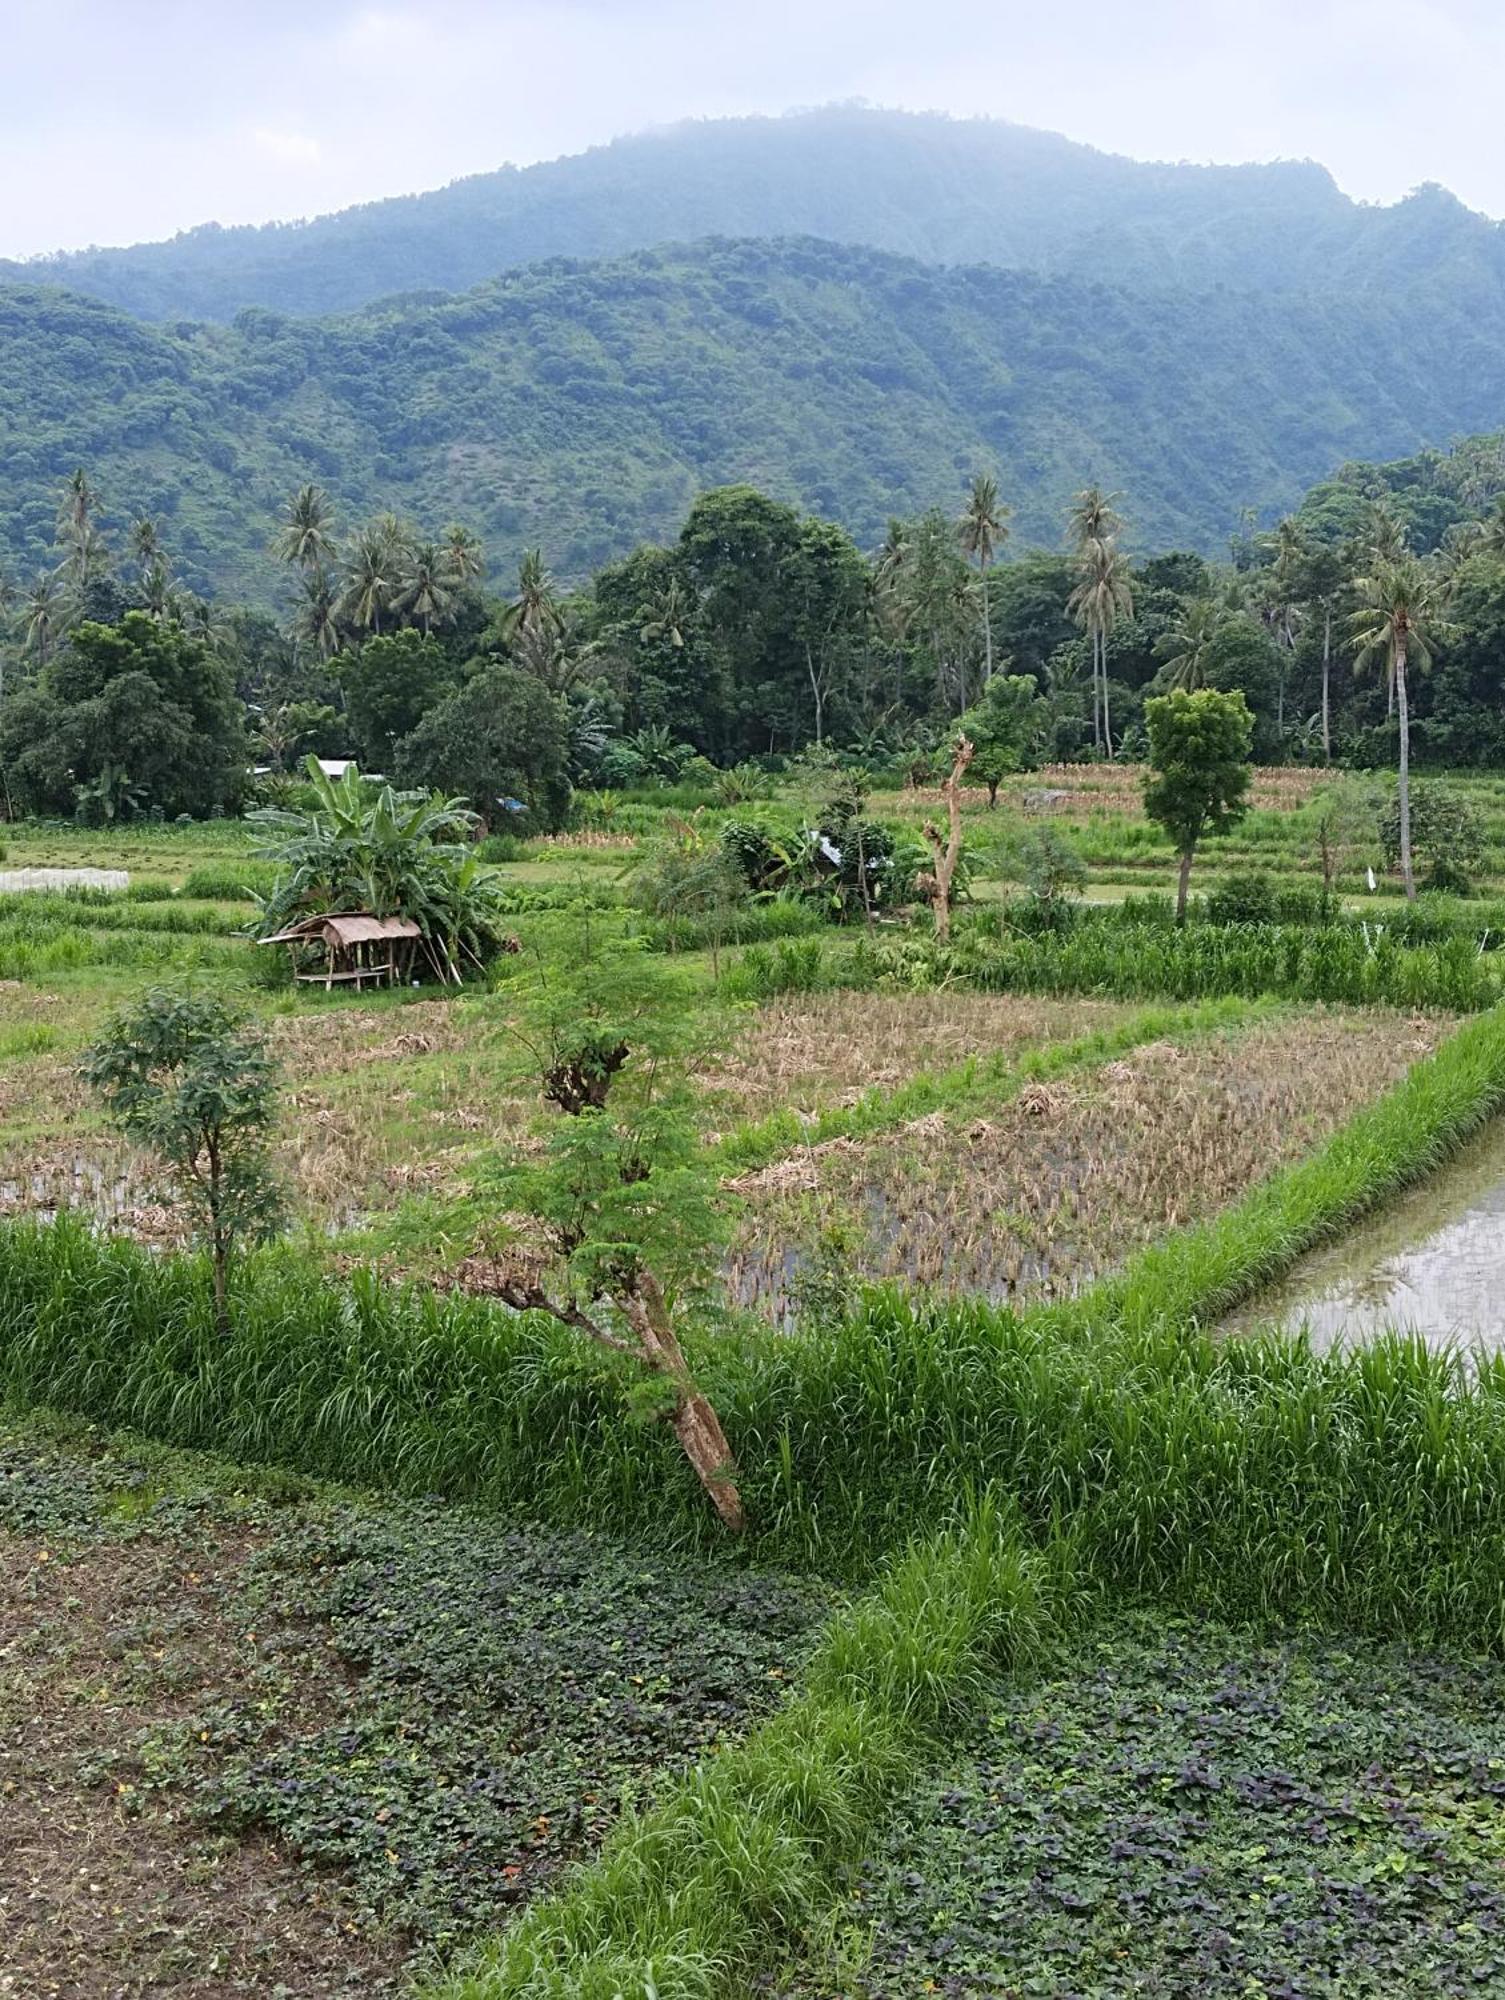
1242	899
1447	832
794	965
1298	903
499	847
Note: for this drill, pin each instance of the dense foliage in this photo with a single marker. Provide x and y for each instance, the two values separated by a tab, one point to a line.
583	407
1244	1816
125	717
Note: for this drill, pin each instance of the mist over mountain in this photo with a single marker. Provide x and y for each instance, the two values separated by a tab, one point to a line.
580	407
937	189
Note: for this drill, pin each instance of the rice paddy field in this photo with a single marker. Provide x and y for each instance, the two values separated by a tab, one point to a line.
1096	1631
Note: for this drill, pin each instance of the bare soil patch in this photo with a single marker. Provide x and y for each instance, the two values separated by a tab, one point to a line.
828	1048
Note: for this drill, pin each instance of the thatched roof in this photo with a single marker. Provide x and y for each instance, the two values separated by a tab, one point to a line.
346	930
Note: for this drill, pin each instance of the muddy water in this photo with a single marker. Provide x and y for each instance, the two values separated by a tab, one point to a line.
1433	1262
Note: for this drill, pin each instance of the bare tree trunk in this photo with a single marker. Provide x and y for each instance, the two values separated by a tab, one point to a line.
655	1346
947	852
696	1424
1405	775
1182	884
1327	657
817	691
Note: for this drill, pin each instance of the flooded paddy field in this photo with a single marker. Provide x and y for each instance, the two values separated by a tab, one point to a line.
1432	1263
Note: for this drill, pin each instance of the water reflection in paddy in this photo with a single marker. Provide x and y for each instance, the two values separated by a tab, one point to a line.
1433	1262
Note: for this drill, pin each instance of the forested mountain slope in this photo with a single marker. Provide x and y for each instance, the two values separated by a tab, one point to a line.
581	407
942	190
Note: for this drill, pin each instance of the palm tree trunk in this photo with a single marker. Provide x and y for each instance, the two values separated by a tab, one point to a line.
1327	657
1097	713
1405	775
1107	724
987	630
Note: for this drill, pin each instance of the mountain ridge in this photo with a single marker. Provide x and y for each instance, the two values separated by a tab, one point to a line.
949	191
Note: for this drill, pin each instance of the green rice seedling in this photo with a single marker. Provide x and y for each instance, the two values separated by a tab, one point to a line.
244	881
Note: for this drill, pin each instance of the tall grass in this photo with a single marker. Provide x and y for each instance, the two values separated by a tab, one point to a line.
1335	965
38	943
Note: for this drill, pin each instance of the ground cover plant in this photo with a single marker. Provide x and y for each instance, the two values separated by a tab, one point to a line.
259	1736
1180	1808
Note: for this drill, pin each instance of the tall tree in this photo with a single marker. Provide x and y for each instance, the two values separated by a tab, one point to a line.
982	531
41	613
306	538
1103	595
535	607
425	590
79	534
370	578
317	621
1289	554
464	557
1399	620
1199	774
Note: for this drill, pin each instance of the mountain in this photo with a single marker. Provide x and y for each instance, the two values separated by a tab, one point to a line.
581	406
932	188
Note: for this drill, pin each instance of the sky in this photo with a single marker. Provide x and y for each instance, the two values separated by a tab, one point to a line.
127	120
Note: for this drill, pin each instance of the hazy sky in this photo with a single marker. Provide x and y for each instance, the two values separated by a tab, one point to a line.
127	119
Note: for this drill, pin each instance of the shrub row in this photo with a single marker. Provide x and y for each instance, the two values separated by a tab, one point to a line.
1127	959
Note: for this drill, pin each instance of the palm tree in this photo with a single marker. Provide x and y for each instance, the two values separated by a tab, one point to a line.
1399	620
667	616
370	578
306	539
144	539
156	589
1187	647
1289	556
558	655
1102	596
535	606
426	590
41	611
1093	517
982	531
1092	526
78	532
317	622
464	559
